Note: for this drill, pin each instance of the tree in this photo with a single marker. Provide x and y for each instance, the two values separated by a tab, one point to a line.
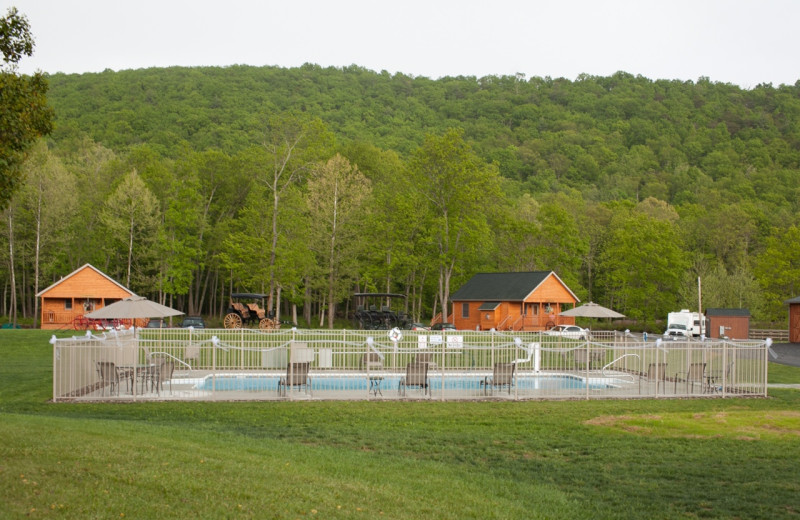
131	216
778	270
337	196
641	265
48	196
24	114
460	191
291	144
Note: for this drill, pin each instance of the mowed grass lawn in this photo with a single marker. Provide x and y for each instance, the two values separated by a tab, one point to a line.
697	458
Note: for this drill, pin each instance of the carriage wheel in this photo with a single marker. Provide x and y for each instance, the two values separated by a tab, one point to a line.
232	321
268	324
80	323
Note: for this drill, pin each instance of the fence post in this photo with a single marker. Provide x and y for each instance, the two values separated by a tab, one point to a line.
588	363
444	356
213	369
724	367
767	344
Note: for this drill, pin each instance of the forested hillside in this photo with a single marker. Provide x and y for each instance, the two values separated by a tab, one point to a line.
310	183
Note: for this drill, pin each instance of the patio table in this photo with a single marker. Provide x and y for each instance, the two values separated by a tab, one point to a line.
375	385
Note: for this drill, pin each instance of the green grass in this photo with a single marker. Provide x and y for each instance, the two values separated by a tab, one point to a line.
709	458
783	374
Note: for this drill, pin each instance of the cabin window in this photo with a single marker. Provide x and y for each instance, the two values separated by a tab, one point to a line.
465	310
68	304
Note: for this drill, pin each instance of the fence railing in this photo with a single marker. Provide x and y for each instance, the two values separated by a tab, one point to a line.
245	364
777	335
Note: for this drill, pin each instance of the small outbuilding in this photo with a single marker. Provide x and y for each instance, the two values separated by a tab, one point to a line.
512	301
794	320
86	289
728	323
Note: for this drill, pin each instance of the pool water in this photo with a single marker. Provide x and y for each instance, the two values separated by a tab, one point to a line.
256	383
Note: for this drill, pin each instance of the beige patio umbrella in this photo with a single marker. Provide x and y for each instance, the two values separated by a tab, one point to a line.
592	310
133	308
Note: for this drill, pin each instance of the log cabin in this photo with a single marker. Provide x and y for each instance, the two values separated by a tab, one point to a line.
512	301
84	290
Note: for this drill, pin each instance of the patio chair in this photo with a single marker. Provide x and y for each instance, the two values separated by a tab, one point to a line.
695	375
109	375
191	354
416	376
296	375
594	358
502	375
426	357
370	361
162	372
655	372
145	372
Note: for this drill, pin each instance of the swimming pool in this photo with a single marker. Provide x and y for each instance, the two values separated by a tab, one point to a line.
326	382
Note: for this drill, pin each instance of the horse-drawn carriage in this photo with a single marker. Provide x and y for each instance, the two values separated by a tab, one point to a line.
249	313
374	311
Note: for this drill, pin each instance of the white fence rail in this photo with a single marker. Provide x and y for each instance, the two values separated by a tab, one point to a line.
245	364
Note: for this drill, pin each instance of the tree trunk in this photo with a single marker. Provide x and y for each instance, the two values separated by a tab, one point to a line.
307	303
130	254
13	307
278	303
36	263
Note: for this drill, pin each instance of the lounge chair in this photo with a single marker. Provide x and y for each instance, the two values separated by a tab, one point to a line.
416	376
655	372
109	375
502	375
695	375
296	375
370	361
426	357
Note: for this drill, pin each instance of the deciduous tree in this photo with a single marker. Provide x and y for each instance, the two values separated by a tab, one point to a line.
24	114
337	197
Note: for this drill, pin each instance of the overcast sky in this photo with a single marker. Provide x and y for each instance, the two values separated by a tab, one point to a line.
735	41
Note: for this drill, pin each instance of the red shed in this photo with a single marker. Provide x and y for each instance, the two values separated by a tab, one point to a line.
728	323
794	320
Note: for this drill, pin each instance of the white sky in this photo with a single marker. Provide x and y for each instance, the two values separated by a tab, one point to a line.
736	41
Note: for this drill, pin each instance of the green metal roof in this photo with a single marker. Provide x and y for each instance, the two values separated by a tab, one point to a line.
504	287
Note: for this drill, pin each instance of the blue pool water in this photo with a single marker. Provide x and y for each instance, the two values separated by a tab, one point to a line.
258	383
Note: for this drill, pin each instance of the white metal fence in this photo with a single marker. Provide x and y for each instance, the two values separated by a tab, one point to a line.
245	364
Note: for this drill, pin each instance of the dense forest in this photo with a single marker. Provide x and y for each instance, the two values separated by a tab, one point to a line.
310	183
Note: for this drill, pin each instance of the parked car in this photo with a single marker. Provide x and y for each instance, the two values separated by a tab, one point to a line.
443	326
568	331
417	326
156	323
193	321
676	332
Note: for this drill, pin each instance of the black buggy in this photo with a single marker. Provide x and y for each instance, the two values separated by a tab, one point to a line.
379	311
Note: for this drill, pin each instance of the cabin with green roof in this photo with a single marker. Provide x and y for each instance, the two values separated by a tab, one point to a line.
512	301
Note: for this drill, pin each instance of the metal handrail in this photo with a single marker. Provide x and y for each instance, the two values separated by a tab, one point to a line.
633	379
